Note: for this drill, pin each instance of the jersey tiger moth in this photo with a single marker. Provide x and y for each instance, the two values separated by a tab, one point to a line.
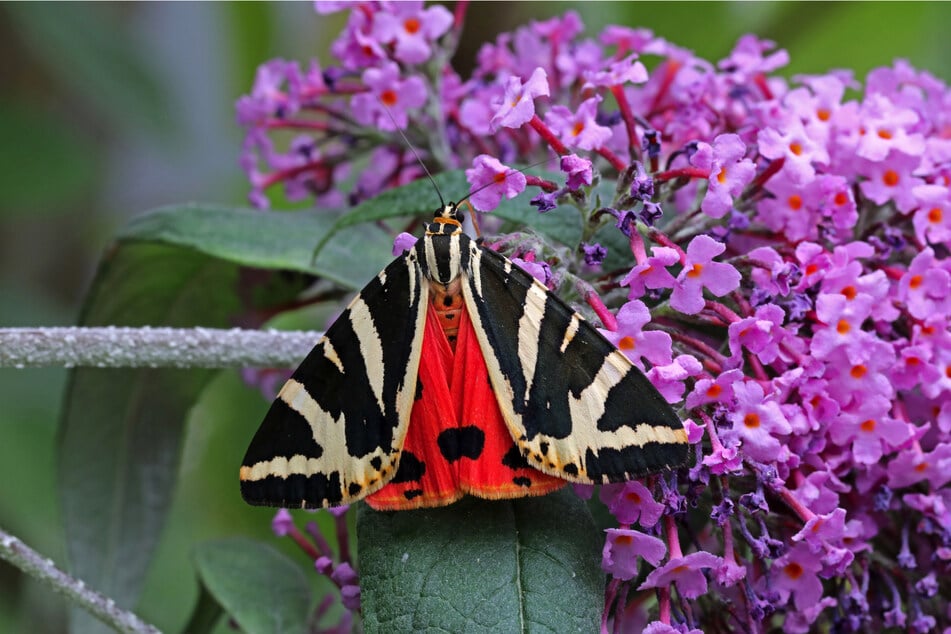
456	372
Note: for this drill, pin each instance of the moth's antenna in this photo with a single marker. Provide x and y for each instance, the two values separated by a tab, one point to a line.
413	150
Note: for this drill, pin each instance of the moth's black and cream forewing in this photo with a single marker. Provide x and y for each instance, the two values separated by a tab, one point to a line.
335	431
575	406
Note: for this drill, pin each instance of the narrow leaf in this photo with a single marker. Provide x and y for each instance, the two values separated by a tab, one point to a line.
528	565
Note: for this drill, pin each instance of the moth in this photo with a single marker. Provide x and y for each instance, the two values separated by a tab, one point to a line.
456	372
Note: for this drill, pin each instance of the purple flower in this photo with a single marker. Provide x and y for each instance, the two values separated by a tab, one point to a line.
635	342
714	390
652	273
578	169
410	29
491	180
622	549
760	334
544	201
579	129
759	423
699	272
633	502
798	151
624	71
796	573
594	254
926	287
729	172
686	572
518	104
389	96
283	523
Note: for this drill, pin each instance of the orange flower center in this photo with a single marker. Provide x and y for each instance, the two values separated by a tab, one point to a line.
721	177
890	178
811	269
626	343
714	391
793	570
795	202
915	281
849	292
843	327
867	425
751	420
840	199
578	128
632	497
796	148
884	134
411	25
823	114
934	215
499	178
858	371
623	540
388	97
695	271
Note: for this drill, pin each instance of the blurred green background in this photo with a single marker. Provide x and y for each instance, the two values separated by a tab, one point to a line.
107	110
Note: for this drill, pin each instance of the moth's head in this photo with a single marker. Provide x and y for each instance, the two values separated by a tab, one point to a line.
450	213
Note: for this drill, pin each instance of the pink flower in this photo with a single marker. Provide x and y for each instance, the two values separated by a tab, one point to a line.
729	172
579	129
635	342
491	180
410	28
796	573
699	272
389	99
686	572
518	104
622	549
652	273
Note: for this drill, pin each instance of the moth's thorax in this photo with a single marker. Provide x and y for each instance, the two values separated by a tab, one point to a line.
442	250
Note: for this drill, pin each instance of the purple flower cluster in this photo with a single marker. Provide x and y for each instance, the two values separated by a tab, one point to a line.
789	284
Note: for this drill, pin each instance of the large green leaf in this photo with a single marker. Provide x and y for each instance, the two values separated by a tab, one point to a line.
269	240
528	565
261	589
121	430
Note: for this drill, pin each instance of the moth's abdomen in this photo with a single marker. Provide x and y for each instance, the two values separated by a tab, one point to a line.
448	303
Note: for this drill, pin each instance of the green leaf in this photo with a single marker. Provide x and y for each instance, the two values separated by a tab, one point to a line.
269	240
261	589
527	565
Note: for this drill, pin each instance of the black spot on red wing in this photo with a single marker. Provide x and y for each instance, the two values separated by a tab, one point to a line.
570	469
514	460
411	468
522	481
376	462
447	300
412	493
461	442
354	488
449	316
419	389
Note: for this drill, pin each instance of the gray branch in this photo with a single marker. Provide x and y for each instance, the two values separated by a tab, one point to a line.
39	567
113	347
